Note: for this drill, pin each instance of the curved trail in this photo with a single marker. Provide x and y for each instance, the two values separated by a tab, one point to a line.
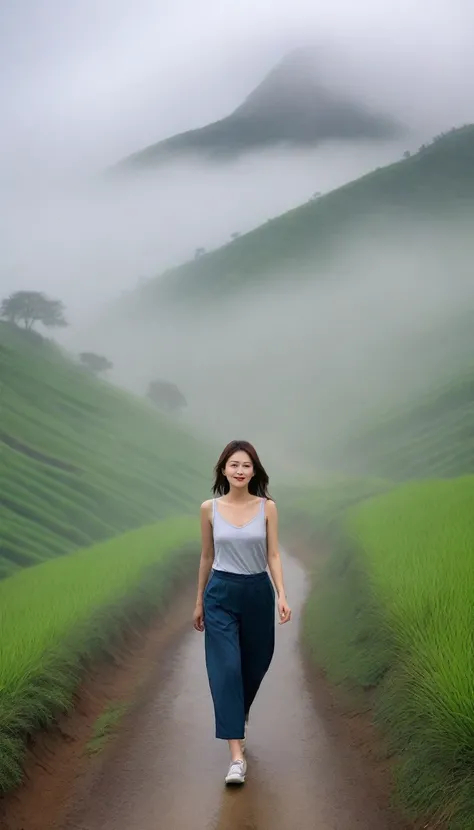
167	774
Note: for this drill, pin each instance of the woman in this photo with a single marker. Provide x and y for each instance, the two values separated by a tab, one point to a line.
236	606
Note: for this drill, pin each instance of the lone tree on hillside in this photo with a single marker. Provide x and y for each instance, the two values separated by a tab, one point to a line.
166	396
30	307
95	363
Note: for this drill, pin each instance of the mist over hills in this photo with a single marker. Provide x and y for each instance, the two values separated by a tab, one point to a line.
289	107
295	332
427	187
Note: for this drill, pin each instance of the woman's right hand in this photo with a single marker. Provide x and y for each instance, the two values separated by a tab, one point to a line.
198	617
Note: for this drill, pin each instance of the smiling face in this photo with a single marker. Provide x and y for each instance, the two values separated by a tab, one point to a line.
239	469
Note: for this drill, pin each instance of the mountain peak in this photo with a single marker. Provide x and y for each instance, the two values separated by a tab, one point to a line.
290	106
294	75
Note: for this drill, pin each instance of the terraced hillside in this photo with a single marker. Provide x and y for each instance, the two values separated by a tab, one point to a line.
81	460
432	438
437	181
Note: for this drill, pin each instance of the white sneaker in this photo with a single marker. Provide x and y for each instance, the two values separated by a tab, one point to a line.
236	773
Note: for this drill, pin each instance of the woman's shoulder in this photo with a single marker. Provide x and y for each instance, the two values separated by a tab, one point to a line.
206	507
270	507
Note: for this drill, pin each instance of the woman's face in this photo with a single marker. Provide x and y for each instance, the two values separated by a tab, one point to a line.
239	469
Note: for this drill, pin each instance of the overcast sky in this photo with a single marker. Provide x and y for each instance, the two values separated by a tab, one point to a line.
98	78
85	82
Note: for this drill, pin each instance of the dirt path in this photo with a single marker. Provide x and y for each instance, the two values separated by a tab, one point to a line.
166	770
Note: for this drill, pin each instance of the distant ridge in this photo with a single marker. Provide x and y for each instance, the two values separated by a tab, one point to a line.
433	182
290	106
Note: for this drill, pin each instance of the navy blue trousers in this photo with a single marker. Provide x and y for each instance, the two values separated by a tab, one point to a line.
239	622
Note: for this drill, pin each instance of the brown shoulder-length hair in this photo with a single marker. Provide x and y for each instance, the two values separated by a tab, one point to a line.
258	485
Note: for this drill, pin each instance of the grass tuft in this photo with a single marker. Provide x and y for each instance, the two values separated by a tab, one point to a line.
105	726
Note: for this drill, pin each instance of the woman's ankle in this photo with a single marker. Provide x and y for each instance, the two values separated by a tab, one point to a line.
235	748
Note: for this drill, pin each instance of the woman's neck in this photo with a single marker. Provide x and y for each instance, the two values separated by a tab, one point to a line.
238	495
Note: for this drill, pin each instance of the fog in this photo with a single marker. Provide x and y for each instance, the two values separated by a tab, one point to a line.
88	241
85	84
300	366
89	82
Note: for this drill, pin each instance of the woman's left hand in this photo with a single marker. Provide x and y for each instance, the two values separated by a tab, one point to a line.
284	611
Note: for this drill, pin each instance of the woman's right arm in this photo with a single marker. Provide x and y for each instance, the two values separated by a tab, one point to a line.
205	565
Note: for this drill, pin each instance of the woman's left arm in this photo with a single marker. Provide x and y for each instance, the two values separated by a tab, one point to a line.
274	560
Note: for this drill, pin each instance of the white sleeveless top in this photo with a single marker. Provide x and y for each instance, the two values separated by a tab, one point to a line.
240	550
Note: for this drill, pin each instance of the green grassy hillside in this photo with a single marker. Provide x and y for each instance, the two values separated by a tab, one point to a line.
81	460
437	181
432	438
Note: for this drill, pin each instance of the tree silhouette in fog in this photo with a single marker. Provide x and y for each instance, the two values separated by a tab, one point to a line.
95	363
166	396
30	307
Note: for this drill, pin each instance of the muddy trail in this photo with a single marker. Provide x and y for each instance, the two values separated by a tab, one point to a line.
166	770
